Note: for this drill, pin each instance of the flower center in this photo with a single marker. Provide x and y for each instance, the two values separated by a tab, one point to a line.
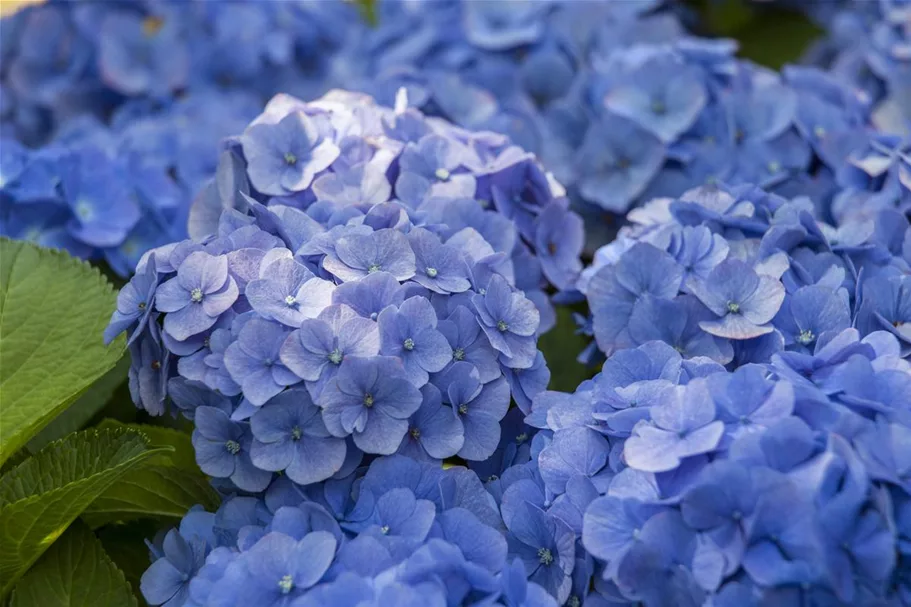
335	357
573	601
482	291
290	159
545	556
268	362
368	400
374	267
502	326
290	300
442	174
409	344
463	409
736	515
806	337
296	433
431	272
385	529
458	354
156	365
84	210
196	295
774	166
521	438
152	25
286	584
232	447
623	163
142	305
658	107
733	307
415	433
820	132
552	248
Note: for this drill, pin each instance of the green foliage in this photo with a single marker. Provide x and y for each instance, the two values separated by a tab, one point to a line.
166	486
126	546
561	345
75	572
53	309
84	408
42	496
769	35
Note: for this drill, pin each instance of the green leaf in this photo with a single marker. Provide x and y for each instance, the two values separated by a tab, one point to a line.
182	454
40	497
561	346
167	486
53	310
152	491
84	409
75	572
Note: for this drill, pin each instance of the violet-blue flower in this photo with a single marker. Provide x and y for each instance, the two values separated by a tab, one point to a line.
743	300
371	400
288	292
409	333
284	157
193	300
358	255
509	320
223	450
439	267
683	427
254	361
289	435
315	351
478	407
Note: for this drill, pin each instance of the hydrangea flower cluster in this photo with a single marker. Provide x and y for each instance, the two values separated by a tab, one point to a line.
128	115
357	295
775	484
60	61
867	45
399	532
616	100
113	192
746	441
737	275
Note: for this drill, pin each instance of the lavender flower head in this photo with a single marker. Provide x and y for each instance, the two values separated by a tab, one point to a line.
323	326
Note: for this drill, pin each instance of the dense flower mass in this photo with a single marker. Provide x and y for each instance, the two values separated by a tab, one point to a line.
356	294
775	484
616	99
352	326
124	105
757	358
737	275
867	45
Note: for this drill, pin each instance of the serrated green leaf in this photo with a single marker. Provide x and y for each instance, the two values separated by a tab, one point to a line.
40	497
53	310
75	572
152	491
84	408
182	455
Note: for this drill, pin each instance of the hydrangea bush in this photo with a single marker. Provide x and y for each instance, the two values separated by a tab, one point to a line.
351	329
